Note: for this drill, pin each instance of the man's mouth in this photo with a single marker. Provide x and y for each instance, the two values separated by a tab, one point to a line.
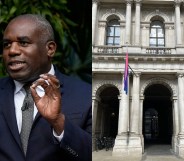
16	65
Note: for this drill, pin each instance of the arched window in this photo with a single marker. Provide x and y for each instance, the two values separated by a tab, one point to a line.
113	32
157	35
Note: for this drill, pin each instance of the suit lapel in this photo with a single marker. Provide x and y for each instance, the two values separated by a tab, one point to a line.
8	108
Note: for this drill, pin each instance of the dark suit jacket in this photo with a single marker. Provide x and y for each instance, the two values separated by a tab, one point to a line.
42	146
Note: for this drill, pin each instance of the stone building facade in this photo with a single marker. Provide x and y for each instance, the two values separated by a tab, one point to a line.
152	32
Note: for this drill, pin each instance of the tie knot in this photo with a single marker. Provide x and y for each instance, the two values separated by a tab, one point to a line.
28	100
27	87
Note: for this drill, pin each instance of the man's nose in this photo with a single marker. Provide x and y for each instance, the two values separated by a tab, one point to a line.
14	49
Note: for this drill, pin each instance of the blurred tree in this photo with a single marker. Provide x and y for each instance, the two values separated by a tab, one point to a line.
71	26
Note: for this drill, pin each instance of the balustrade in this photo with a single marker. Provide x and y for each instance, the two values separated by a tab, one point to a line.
159	51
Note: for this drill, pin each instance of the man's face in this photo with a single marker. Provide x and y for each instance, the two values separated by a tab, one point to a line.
25	54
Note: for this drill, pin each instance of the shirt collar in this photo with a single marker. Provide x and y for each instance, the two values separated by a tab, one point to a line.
18	85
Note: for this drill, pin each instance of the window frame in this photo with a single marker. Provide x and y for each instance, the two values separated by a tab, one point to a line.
115	26
157	25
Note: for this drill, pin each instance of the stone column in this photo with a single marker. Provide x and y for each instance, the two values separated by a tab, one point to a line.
181	102
169	32
128	21
123	112
94	16
135	110
122	29
175	117
121	141
180	139
137	21
145	35
101	36
95	101
175	123
141	122
178	22
141	114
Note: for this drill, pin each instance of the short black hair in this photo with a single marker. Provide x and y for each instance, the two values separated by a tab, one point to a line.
43	25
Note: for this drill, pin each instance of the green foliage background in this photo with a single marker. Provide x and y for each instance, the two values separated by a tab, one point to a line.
72	26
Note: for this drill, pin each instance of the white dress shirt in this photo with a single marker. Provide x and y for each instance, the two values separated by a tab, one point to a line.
19	95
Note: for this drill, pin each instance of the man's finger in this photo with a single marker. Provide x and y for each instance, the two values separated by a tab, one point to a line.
52	78
36	97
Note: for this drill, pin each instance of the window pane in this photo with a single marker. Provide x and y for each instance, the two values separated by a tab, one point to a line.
160	33
113	32
153	32
117	31
157	24
152	42
109	44
109	40
160	41
157	35
113	23
117	41
110	31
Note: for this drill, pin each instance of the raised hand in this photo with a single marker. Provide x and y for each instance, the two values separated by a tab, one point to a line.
49	105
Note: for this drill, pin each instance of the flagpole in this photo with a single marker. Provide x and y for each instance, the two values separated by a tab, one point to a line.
132	70
128	109
128	104
128	64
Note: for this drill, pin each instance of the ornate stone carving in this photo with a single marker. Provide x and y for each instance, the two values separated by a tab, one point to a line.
137	74
102	85
169	27
95	1
162	81
145	26
157	12
128	2
101	24
163	15
96	98
177	2
114	12
137	1
180	75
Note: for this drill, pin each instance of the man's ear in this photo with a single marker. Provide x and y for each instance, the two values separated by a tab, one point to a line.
51	48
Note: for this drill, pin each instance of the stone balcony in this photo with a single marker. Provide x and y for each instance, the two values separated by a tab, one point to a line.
158	50
106	49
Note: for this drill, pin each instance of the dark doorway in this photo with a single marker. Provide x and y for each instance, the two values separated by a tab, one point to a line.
157	115
109	99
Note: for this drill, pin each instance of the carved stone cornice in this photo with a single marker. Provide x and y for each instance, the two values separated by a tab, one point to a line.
177	3
95	1
128	2
169	27
137	74
142	98
180	74
145	26
138	2
175	98
102	24
96	98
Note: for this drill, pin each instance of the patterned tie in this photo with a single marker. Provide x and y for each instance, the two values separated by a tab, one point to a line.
27	117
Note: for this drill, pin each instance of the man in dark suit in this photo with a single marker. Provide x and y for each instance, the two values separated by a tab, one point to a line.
61	127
